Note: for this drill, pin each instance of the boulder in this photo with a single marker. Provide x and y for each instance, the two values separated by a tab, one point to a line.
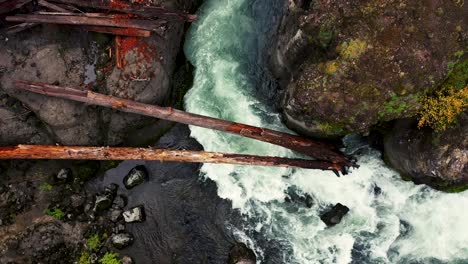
64	174
334	215
127	260
122	240
439	159
115	215
241	254
135	177
135	214
357	63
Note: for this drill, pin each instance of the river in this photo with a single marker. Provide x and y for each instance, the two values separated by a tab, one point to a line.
390	220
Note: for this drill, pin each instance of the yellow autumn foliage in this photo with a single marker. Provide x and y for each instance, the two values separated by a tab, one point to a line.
441	111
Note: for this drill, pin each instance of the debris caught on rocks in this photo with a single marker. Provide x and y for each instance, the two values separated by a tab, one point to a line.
135	177
334	216
122	240
135	214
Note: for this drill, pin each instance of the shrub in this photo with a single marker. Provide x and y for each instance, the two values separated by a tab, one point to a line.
94	243
442	110
56	213
110	258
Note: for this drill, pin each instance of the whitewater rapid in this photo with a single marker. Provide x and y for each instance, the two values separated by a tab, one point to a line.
390	220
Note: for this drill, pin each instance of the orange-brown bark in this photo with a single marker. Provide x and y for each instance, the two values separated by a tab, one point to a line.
124	153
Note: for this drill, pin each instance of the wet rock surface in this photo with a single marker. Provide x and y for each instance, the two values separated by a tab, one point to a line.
438	159
356	63
135	214
62	56
241	254
122	240
135	177
334	215
185	219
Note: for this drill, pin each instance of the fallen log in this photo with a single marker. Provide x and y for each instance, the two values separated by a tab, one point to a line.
312	148
125	153
129	32
136	9
88	21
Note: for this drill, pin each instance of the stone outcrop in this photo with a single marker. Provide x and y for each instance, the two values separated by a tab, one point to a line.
437	159
70	57
357	63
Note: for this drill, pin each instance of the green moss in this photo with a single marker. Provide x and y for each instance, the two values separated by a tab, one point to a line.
56	213
457	189
94	243
458	76
397	105
45	187
325	37
85	258
110	258
352	49
331	129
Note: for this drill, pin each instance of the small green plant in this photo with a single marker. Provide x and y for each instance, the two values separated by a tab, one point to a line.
85	258
94	243
56	213
46	187
110	258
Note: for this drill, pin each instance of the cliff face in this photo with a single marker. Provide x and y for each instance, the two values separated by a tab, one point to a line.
356	63
75	58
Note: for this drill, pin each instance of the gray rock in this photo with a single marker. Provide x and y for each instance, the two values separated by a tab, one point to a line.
122	240
64	174
111	189
439	160
118	228
136	214
120	202
334	215
77	200
127	260
135	177
116	215
241	254
103	202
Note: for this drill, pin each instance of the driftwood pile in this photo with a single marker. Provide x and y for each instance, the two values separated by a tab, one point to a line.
136	20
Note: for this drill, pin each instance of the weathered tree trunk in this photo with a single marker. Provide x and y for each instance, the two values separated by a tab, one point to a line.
312	148
137	9
123	153
88	20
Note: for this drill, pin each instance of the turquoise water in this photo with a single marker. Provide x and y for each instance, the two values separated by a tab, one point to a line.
403	224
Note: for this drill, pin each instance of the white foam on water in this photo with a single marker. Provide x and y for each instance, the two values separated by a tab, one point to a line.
223	46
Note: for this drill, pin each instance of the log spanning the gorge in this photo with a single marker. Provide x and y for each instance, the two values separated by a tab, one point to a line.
136	9
124	153
312	148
